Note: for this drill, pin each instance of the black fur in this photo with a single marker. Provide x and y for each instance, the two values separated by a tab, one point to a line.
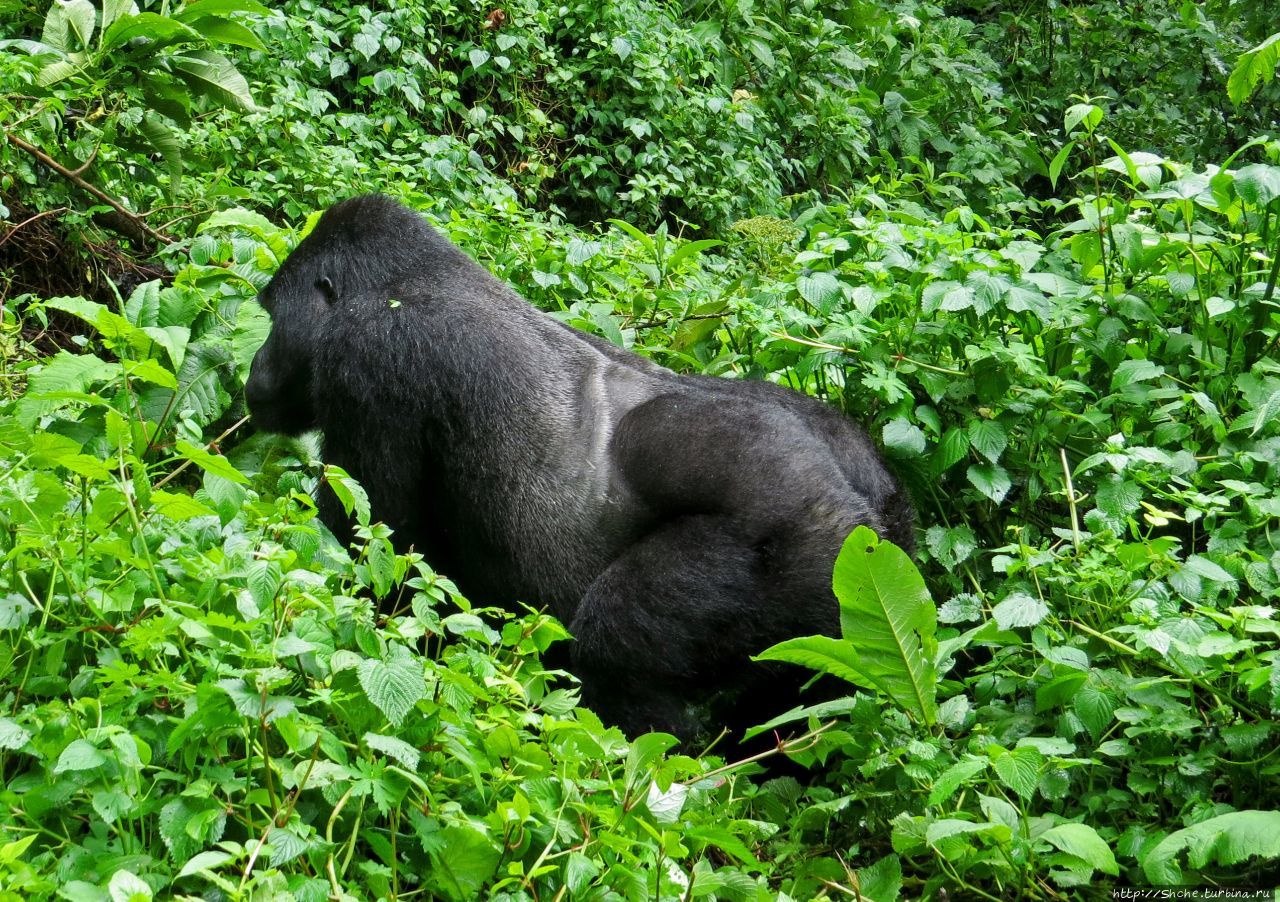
676	524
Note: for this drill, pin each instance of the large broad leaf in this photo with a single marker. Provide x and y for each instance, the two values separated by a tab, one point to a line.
466	860
60	380
68	20
214	76
156	29
113	10
1225	840
224	31
1255	67
210	463
164	141
203	8
56	72
888	622
1083	841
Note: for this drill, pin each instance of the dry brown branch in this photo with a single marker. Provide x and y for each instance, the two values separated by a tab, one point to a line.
73	177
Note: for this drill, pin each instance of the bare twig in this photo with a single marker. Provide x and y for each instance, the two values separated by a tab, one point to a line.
74	177
84	167
13	230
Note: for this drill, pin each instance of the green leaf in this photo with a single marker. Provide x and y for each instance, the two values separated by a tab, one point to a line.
945	828
1019	769
690	249
164	141
81	18
112	10
991	480
1255	67
393	686
644	751
177	506
12	736
954	777
126	886
820	289
822	653
579	872
210	463
79	755
285	845
254	223
11	852
1083	841
1096	709
1019	610
723	840
205	861
143	306
264	579
202	8
1225	840
951	546
958	298
1258	184
394	748
903	438
1131	371
952	449
644	240
56	33
882	881
887	620
579	251
111	804
1085	114
155	28
55	72
15	611
68	19
988	438
214	76
1118	498
63	373
350	494
225	31
468	857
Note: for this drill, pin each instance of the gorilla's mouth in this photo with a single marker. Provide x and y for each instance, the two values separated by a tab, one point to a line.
285	419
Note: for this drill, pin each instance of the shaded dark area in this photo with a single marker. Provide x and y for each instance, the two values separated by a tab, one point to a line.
50	254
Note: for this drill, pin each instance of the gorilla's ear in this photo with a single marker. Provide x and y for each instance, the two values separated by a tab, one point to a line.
325	286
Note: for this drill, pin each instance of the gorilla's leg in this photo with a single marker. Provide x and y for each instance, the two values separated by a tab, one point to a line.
670	620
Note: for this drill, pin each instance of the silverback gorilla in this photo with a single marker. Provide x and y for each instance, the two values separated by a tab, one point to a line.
676	524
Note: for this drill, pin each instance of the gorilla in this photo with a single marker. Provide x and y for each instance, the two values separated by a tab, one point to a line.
676	524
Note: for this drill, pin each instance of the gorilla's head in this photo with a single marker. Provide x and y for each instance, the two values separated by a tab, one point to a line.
358	248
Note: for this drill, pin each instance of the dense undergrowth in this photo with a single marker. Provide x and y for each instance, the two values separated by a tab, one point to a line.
1050	293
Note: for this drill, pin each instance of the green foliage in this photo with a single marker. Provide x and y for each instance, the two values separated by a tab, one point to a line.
198	694
1160	70
1229	839
113	80
1255	67
887	621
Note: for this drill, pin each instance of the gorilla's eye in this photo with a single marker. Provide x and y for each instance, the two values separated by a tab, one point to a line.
326	288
